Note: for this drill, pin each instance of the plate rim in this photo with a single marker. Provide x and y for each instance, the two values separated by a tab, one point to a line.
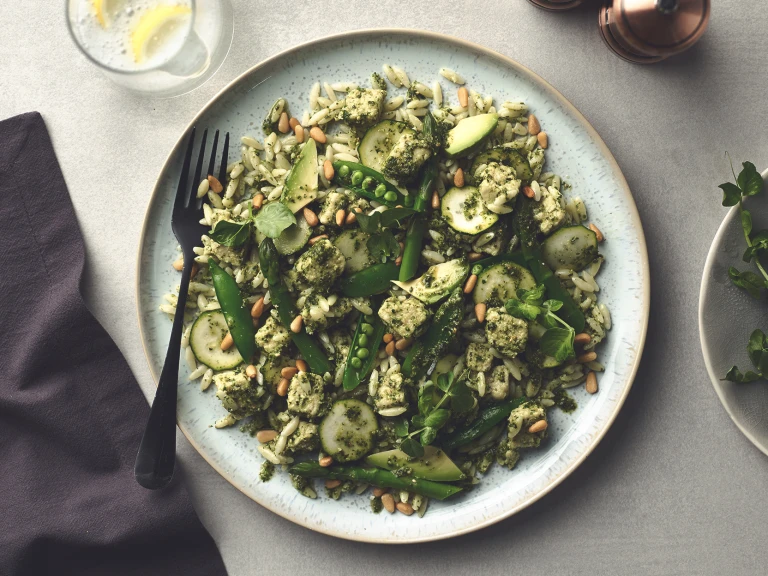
703	290
413	33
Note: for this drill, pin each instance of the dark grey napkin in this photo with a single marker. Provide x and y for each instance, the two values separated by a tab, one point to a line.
71	413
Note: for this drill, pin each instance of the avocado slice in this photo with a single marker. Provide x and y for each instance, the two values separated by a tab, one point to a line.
301	183
469	134
437	282
434	465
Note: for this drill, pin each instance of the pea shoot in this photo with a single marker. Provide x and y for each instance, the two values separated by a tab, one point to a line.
557	341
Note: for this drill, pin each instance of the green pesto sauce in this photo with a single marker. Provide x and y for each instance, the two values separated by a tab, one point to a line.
267	471
376	505
565	401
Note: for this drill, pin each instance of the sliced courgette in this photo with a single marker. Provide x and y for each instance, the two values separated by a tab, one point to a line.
464	210
294	238
301	182
437	282
378	141
507	157
205	338
500	282
571	247
434	465
353	244
347	432
468	135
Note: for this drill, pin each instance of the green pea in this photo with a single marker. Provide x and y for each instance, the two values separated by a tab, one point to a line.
390	196
363	353
368	183
408	201
357	177
362	340
344	171
356	363
476	269
381	189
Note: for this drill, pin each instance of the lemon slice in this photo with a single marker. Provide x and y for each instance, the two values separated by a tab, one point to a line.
100	9
153	27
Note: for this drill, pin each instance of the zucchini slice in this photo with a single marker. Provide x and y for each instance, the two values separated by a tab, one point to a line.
378	141
571	247
464	210
500	282
353	244
293	238
346	433
505	156
205	338
437	282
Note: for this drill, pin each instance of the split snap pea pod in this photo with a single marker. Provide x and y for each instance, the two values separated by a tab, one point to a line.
368	183
415	235
376	477
286	310
486	420
362	352
369	281
439	335
237	316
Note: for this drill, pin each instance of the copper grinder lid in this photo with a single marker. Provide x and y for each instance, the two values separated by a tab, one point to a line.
650	30
556	5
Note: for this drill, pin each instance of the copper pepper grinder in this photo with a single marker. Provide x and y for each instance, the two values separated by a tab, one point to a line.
648	31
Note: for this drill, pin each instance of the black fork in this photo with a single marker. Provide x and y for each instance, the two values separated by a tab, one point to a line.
157	452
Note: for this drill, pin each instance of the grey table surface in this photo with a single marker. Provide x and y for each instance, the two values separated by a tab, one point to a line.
674	488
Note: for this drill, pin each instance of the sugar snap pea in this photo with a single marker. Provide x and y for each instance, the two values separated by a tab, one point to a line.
237	316
486	420
369	281
368	335
368	183
415	234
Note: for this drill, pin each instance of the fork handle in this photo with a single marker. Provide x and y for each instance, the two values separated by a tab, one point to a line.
157	452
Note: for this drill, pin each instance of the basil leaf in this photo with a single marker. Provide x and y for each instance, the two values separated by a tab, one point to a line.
520	309
273	218
412	448
437	418
230	234
747	280
401	427
749	180
558	343
383	245
394	215
731	194
369	224
428	436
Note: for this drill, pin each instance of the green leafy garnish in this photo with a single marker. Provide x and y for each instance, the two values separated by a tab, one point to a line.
757	348
273	218
382	243
558	343
231	234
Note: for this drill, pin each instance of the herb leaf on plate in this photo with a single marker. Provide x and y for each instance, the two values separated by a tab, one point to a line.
230	234
273	218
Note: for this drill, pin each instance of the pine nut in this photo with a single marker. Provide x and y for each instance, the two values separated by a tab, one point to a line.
458	178
258	200
388	501
331	484
480	312
325	461
351	218
297	324
299	131
293	122
388	338
528	191
310	217
398	260
251	371
390	348
543	140
591	385
539	426
265	436
283	124
282	387
582	338
474	256
317	238
533	125
328	171
405	508
379	492
597	232
403	343
226	344
588	357
340	215
289	372
463	97
470	285
178	265
195	270
258	308
302	366
435	200
215	185
317	134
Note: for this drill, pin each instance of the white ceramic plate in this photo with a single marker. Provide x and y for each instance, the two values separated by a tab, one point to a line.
576	152
727	316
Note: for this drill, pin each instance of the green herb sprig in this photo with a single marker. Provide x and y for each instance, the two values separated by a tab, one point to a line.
381	243
757	348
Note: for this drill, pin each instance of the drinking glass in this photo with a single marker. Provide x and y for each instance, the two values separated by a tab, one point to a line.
161	48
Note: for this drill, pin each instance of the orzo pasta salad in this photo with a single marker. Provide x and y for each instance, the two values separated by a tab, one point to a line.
393	292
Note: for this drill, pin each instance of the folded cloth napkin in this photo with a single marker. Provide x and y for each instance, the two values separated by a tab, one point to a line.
71	413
